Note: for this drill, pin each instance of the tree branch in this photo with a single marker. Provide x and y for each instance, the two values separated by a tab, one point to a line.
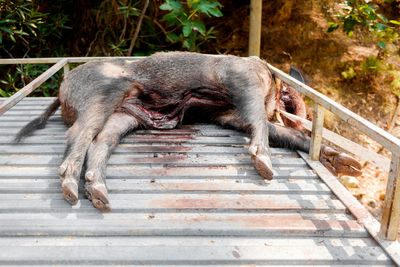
135	36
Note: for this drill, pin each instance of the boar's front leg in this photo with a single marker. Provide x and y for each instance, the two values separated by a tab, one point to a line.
117	125
249	92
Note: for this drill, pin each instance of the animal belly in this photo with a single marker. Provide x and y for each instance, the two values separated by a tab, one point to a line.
172	116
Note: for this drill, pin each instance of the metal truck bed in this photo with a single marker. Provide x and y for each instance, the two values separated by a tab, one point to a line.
179	197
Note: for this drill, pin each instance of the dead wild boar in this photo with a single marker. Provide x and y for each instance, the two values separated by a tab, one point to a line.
102	101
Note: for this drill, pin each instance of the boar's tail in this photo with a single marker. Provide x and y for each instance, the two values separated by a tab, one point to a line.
37	123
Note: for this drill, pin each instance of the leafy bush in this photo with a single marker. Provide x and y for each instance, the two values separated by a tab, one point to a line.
359	13
372	65
349	73
26	73
25	31
23	27
190	30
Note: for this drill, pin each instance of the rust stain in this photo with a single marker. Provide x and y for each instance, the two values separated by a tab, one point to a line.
160	138
168	132
213	202
196	187
188	170
212	187
163	137
165	159
153	149
284	223
236	254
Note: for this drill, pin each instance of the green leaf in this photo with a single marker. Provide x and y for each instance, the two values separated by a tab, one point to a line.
381	44
383	18
6	30
372	16
348	25
332	26
189	44
369	11
1	38
7	21
170	18
12	38
216	12
187	29
380	27
210	33
3	93
200	27
371	7
208	7
173	37
33	31
22	14
394	22
171	5
20	32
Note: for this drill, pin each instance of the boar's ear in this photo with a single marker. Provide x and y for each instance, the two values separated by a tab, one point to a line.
295	73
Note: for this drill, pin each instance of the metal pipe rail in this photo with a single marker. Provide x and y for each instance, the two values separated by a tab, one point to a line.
391	207
391	213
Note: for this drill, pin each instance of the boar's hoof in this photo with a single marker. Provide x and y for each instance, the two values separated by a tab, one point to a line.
70	190
339	163
97	193
262	162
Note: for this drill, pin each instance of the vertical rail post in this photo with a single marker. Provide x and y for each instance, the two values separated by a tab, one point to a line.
391	206
66	69
255	27
316	133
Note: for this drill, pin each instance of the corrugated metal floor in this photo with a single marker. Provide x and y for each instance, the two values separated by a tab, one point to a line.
187	196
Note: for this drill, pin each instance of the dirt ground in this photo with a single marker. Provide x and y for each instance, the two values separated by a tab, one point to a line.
297	35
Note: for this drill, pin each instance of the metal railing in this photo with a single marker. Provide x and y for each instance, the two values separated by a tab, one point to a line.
391	213
391	209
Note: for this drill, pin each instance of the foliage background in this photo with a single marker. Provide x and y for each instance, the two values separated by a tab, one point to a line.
45	28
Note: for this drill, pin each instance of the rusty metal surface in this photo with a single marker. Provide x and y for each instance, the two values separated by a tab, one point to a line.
180	197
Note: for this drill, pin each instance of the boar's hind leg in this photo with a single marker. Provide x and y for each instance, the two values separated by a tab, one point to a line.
259	148
117	125
80	135
335	161
285	137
